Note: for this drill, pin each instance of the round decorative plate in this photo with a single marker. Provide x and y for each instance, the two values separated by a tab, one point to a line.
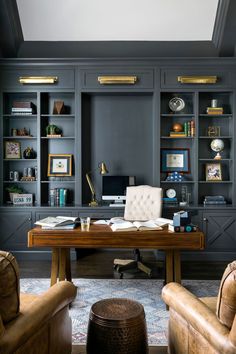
176	104
171	193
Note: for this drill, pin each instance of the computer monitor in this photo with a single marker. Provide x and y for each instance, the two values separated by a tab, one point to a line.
114	188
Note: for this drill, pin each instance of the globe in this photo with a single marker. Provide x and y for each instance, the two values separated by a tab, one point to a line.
217	145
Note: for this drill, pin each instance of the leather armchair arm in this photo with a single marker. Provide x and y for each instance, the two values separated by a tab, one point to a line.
198	315
36	315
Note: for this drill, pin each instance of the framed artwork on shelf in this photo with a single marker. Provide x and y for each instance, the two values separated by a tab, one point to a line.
59	165
12	150
213	172
175	160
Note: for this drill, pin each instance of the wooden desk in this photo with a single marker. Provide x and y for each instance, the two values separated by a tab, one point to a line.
101	236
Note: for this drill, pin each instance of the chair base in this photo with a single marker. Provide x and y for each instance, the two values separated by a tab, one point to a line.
121	266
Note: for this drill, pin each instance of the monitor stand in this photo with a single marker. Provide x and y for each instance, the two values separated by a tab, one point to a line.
117	204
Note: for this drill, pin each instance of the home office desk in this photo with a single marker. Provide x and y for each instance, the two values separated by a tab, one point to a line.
101	236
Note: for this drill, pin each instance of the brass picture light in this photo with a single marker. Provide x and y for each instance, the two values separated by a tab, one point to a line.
38	79
102	170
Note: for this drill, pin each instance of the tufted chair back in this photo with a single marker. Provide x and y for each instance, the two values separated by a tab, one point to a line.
143	203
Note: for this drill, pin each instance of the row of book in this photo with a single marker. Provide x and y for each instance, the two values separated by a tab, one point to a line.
170	201
58	196
23	108
214	200
215	110
189	130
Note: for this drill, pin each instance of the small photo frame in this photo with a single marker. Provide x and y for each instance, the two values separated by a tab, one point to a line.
59	165
12	150
175	160
213	172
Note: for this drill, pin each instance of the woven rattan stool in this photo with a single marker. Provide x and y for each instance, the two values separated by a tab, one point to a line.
117	326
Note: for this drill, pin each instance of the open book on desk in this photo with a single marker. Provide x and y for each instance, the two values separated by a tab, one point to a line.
58	221
135	226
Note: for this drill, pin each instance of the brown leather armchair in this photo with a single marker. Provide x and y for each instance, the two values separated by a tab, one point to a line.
38	324
202	325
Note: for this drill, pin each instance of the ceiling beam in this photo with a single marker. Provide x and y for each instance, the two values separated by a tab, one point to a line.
10	28
116	49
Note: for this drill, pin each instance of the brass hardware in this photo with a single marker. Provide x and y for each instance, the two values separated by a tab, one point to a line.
38	79
197	79
117	80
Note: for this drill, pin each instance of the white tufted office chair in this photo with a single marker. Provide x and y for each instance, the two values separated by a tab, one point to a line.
142	203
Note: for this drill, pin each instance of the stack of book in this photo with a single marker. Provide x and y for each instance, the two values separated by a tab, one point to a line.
189	130
58	196
170	201
58	223
178	134
214	200
23	108
215	110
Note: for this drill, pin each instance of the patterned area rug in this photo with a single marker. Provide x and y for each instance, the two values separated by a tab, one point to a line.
146	291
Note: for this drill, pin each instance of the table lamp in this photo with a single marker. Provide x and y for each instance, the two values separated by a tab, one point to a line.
102	170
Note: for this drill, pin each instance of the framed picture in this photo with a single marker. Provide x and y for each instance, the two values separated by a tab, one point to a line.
12	150
59	165
213	172
175	160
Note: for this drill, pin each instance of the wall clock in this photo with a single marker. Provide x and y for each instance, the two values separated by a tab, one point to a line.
171	193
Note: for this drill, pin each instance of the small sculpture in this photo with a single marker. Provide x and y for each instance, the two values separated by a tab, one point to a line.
58	107
29	153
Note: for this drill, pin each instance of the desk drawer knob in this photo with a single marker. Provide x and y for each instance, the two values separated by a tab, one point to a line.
204	219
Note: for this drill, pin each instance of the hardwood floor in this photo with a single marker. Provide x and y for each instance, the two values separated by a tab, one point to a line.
99	264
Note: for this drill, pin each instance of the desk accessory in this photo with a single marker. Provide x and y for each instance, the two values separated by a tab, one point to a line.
102	170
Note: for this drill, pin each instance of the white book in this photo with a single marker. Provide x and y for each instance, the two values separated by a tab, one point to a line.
163	222
135	225
60	227
56	221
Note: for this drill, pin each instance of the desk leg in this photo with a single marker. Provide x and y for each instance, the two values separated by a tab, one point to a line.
177	267
169	266
68	265
62	264
54	265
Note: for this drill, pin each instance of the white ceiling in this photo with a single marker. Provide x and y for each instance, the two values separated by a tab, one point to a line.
101	20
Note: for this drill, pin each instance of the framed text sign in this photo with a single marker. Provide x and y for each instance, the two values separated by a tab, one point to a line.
175	160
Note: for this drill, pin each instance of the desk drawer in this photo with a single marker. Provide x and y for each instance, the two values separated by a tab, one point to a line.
89	79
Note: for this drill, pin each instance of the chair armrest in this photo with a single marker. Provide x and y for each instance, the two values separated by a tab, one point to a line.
198	315
41	310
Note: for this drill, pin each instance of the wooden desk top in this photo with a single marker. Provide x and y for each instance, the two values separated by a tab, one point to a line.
101	236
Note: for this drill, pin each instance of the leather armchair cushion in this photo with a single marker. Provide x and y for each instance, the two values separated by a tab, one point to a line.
143	203
226	302
9	287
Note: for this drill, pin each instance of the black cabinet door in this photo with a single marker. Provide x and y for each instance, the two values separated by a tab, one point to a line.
14	229
220	230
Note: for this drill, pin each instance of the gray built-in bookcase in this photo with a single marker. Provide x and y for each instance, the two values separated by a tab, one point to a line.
126	126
